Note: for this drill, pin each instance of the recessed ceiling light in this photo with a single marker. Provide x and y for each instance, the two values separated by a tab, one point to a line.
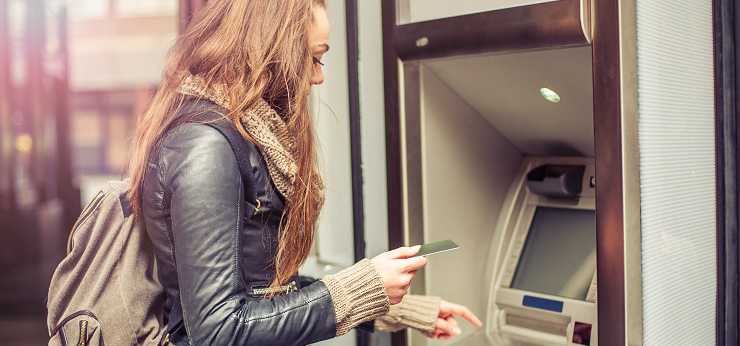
550	95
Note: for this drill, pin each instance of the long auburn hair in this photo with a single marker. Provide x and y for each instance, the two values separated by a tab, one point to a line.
256	48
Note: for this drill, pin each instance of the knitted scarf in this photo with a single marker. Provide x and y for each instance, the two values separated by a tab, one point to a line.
266	127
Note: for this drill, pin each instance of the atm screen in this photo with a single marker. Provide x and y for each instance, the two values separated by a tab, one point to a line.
559	256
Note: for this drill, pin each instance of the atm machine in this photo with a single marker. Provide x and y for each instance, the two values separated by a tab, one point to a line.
543	256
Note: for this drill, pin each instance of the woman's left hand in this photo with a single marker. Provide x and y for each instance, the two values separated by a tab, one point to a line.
446	326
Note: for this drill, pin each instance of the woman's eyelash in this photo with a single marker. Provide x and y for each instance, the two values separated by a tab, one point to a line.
317	61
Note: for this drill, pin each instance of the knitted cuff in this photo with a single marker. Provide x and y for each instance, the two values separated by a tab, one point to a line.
358	295
418	312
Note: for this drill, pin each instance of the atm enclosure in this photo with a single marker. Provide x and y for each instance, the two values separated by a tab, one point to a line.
473	125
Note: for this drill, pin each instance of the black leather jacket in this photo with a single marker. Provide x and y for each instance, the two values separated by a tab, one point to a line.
214	248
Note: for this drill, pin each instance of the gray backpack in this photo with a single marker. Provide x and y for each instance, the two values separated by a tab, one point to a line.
106	290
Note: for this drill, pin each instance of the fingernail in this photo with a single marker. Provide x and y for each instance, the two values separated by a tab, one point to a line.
457	330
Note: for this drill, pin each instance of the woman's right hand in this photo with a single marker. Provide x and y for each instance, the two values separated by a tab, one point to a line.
397	268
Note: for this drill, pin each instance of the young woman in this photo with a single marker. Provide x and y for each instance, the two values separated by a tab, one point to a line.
229	245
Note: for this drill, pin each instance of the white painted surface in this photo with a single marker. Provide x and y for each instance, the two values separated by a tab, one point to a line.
372	110
331	112
677	171
422	10
372	118
468	167
505	89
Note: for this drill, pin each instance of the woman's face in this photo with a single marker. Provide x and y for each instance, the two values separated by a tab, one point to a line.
318	40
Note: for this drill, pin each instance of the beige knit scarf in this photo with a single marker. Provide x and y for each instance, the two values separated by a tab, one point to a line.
266	127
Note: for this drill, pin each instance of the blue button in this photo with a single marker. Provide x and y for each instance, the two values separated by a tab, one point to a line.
542	303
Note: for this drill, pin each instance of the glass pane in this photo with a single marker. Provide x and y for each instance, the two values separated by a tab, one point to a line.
120	130
16	26
86	129
559	257
145	7
115	63
88	9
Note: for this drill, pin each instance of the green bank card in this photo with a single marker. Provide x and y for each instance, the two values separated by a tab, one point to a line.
437	247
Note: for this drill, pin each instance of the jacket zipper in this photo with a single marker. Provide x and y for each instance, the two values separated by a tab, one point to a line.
290	287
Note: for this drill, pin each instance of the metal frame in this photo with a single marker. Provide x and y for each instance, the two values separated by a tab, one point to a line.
550	24
353	56
631	173
527	27
32	94
726	95
607	96
67	191
358	199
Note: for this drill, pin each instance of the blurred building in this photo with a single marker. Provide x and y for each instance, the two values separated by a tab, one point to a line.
74	75
116	56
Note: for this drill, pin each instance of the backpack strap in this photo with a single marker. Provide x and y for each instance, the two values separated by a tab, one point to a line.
241	149
214	116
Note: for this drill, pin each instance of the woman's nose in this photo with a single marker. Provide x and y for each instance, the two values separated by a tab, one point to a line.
317	79
318	76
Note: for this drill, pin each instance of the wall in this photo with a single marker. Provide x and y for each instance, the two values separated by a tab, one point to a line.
331	112
467	169
372	115
372	120
677	171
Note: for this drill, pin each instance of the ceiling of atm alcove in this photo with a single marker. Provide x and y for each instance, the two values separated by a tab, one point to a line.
505	89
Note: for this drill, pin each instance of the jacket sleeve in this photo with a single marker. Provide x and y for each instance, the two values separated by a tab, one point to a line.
200	170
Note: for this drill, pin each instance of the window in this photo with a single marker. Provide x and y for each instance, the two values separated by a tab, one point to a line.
142	8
